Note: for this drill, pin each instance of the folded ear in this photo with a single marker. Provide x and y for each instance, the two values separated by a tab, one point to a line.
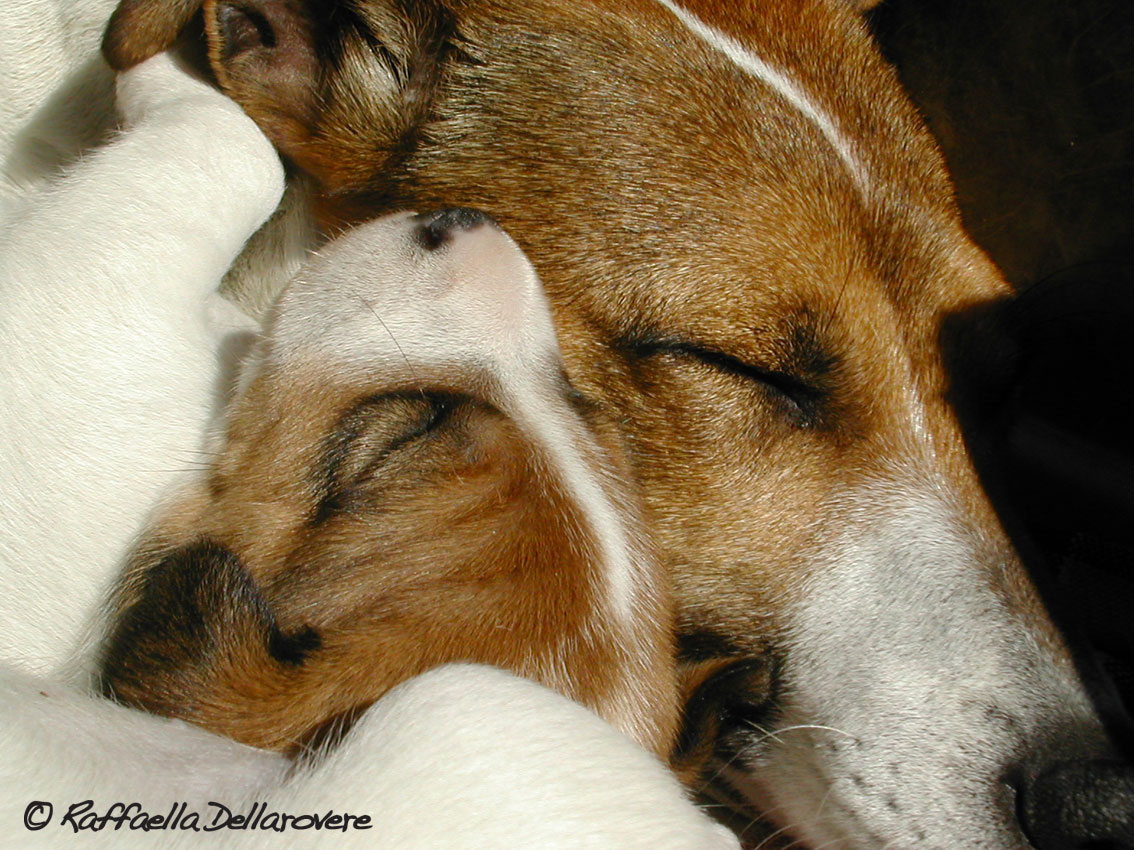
721	697
264	57
337	86
139	29
191	624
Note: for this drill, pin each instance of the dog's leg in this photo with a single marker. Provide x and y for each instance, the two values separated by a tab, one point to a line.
108	364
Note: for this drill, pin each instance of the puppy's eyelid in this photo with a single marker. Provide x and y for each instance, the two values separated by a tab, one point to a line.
368	434
422	414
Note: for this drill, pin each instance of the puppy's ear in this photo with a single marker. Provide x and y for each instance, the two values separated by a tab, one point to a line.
139	29
192	623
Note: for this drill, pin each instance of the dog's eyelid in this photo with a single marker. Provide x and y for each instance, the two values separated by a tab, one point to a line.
376	427
801	392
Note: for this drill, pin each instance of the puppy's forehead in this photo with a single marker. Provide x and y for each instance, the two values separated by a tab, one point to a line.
379	298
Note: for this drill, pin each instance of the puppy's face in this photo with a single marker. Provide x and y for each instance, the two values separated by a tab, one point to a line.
405	479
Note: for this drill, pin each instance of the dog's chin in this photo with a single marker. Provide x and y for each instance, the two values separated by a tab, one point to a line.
779	797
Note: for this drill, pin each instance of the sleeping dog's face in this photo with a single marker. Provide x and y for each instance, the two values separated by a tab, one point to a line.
752	255
405	479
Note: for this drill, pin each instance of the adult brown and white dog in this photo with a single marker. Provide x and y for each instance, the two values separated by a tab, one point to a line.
115	347
752	254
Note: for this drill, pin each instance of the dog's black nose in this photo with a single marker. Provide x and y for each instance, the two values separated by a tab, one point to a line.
1075	805
437	227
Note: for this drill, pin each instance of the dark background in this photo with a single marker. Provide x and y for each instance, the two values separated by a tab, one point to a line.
1033	103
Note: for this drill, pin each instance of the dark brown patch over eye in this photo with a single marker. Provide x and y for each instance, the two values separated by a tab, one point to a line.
374	431
198	613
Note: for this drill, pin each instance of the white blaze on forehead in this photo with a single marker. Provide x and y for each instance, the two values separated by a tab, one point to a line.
786	87
550	421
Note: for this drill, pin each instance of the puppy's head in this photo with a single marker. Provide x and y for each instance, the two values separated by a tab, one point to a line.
405	479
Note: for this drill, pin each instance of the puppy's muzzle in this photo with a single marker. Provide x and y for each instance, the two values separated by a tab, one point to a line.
435	229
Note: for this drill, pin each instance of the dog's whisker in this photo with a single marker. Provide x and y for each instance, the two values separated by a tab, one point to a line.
737	802
774	734
819	811
394	340
832	843
767	839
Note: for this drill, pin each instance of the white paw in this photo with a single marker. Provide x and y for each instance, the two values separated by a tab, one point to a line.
162	86
171	116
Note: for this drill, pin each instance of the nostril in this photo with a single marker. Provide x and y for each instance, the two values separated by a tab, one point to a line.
1080	805
435	228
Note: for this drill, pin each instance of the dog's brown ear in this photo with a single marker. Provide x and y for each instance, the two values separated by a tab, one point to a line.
192	623
139	29
337	86
264	57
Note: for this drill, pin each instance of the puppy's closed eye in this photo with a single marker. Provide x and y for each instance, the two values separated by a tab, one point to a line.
398	440
376	428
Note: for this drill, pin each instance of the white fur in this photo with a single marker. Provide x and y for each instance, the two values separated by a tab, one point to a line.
913	682
110	364
461	757
58	98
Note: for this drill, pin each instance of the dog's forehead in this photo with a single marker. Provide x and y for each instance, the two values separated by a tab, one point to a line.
761	154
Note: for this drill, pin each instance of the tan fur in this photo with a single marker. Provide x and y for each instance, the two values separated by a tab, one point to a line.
378	561
754	318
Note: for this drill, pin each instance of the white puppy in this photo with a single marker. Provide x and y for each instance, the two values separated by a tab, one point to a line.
109	370
110	358
461	757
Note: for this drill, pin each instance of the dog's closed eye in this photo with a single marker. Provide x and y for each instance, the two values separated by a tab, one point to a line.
397	439
800	400
377	427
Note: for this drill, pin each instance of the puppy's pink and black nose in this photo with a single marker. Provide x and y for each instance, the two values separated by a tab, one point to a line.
437	228
1080	805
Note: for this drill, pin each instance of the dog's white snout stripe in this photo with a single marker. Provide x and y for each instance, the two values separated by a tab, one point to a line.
787	88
